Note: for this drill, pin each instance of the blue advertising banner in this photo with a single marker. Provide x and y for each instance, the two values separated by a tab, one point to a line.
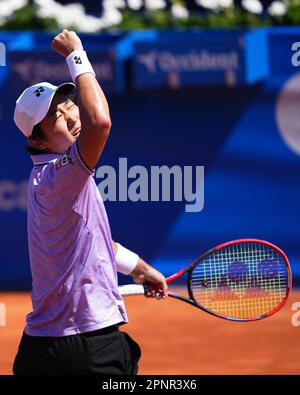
31	59
200	58
28	68
246	139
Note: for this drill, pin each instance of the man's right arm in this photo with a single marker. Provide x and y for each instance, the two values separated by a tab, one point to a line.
94	117
93	106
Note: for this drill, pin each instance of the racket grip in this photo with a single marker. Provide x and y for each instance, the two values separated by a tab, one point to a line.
131	289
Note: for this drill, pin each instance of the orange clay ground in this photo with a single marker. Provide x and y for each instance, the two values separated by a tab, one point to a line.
178	339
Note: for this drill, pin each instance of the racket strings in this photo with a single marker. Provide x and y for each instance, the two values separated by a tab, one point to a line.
242	281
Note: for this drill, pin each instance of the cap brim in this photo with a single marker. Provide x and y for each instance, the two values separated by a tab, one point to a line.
67	87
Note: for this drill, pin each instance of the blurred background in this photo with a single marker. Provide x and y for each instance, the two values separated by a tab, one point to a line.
213	83
190	83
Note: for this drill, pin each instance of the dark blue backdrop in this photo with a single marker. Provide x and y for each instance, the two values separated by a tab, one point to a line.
252	184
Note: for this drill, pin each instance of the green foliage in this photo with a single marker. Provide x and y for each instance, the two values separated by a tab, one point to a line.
132	21
26	18
135	20
292	17
230	18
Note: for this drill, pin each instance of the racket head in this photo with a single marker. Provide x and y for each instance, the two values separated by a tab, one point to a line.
241	280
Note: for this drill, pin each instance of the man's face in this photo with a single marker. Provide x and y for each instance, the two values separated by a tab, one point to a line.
61	126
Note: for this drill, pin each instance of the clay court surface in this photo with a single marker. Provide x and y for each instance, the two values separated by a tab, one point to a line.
178	339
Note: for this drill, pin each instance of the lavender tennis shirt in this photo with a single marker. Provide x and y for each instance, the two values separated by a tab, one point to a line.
72	261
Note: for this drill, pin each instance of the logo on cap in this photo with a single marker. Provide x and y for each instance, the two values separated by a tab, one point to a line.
77	60
38	91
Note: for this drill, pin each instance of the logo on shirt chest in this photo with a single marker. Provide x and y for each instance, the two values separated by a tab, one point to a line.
64	160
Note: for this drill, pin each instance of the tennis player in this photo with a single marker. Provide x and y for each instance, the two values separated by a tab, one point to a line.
77	309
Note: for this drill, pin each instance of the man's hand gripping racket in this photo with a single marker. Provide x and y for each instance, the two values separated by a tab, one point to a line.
241	280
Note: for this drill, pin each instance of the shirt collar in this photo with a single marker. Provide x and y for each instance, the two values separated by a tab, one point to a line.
43	159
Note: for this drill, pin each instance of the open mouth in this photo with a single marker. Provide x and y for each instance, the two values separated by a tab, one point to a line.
77	133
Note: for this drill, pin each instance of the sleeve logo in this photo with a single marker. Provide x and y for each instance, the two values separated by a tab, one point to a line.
64	160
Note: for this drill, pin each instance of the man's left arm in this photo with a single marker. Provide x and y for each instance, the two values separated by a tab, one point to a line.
141	272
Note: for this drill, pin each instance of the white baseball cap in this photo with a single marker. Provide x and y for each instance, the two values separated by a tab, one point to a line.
33	104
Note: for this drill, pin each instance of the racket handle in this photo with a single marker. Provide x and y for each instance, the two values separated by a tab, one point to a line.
131	289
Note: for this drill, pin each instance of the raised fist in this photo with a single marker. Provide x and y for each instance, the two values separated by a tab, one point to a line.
66	42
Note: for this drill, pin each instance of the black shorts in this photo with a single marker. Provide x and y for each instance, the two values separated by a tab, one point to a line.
105	351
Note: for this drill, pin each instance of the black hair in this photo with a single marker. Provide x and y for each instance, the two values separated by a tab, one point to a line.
37	133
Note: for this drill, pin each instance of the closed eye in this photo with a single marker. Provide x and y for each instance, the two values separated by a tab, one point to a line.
59	115
55	110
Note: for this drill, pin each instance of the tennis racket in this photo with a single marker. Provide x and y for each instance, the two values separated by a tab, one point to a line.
241	280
